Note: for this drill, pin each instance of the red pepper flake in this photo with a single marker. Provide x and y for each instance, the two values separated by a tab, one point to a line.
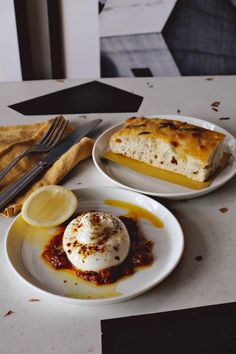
223	210
34	300
174	143
10	312
96	219
209	78
174	161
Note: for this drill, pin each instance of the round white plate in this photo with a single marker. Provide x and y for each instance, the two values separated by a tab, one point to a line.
127	178
24	245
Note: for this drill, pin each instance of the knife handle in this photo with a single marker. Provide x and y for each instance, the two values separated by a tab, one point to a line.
7	195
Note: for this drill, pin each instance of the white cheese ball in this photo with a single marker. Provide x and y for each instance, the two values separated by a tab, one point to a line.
95	241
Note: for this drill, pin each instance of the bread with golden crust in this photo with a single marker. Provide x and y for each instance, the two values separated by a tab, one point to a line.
172	145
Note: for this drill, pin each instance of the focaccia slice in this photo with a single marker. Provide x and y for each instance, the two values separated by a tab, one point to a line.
172	145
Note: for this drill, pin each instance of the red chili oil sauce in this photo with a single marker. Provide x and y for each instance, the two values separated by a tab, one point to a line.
140	254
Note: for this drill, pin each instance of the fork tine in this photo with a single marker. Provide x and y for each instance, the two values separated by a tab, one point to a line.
55	137
50	139
53	126
58	124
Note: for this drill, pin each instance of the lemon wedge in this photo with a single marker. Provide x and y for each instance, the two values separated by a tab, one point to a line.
49	206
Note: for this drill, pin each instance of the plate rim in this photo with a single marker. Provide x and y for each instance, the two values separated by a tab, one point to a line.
172	196
104	301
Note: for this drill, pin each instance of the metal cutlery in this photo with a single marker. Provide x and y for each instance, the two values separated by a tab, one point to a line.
11	192
48	141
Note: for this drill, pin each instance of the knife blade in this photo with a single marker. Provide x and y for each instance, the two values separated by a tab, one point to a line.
11	192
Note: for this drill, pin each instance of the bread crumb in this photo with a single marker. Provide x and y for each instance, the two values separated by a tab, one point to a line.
10	312
223	210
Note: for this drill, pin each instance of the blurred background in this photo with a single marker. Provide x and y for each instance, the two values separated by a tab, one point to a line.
57	39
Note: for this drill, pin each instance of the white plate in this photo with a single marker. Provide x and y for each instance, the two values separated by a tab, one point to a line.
127	178
24	245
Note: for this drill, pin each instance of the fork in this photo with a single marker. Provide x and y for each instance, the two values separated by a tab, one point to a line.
48	141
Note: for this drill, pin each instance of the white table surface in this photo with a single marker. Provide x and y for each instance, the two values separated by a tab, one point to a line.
50	326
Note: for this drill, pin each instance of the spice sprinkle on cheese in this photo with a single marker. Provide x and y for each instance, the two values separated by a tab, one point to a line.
96	240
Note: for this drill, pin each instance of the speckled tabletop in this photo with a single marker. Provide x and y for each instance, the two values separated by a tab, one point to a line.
206	272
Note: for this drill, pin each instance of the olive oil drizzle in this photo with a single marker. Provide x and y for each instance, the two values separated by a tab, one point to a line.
156	172
136	212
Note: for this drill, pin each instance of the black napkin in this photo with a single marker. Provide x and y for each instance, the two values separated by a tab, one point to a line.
91	97
201	330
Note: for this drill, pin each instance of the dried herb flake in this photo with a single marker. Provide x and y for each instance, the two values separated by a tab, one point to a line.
223	210
34	300
10	312
215	104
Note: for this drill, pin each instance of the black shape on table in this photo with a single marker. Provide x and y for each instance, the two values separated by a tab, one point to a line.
91	97
142	72
201	330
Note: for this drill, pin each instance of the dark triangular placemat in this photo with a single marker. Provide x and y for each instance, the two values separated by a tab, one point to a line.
201	330
91	97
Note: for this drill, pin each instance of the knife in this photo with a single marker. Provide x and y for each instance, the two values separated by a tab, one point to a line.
7	195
